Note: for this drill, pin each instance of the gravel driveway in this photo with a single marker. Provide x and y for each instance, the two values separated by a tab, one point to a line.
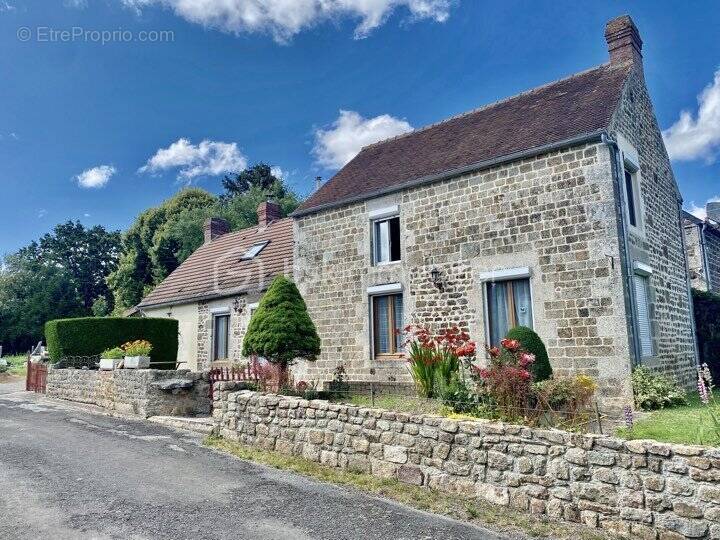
66	473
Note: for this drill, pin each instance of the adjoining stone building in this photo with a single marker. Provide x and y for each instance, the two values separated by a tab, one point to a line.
215	291
703	248
556	208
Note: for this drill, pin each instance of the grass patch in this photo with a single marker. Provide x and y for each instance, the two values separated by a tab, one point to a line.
479	513
17	365
403	404
685	424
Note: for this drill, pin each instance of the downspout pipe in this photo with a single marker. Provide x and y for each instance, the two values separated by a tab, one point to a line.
703	252
693	328
626	265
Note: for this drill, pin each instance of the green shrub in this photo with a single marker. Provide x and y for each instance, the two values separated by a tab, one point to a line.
531	342
707	323
281	329
653	391
90	336
116	353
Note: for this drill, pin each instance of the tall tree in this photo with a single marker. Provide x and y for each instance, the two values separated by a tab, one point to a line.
259	175
87	256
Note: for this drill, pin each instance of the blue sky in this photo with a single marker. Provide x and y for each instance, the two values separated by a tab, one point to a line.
99	132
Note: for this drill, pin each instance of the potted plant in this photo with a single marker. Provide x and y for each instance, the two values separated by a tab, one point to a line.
137	354
111	358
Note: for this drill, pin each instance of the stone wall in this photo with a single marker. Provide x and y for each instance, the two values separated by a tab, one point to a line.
554	214
131	391
712	243
636	489
658	241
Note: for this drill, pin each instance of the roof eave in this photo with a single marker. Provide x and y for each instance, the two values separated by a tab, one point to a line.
479	166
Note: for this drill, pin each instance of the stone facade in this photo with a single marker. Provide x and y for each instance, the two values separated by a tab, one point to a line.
658	240
130	391
703	251
554	214
632	489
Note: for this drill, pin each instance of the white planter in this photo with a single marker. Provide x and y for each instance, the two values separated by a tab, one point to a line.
136	362
108	364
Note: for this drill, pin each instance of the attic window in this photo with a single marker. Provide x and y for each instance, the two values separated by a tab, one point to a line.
254	250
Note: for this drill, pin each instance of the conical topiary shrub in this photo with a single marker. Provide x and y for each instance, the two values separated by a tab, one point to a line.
531	342
281	330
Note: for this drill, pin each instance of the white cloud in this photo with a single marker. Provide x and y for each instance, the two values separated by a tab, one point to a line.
4	6
41	213
285	18
75	4
96	177
699	137
209	158
342	141
14	136
700	211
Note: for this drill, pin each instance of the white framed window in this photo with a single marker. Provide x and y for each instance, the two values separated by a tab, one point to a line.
386	321
508	302
254	250
220	336
385	233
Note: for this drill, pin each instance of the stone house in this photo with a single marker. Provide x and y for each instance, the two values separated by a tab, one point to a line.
214	292
703	248
556	208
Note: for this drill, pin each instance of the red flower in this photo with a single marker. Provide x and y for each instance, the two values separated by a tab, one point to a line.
526	359
510	344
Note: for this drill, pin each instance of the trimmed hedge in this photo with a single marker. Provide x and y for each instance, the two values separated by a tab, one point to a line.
531	342
89	336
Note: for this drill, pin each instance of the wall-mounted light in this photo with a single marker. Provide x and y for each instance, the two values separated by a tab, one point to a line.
436	278
237	308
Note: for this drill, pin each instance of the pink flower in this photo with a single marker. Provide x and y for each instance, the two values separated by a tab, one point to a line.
702	390
526	359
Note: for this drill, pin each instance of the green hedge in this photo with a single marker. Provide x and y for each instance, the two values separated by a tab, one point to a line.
531	342
89	336
707	323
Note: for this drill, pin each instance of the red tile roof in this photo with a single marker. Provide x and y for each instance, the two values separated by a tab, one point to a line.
215	268
581	104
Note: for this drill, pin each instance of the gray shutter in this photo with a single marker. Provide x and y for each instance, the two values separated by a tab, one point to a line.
643	314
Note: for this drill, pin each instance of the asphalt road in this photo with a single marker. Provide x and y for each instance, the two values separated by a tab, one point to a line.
67	473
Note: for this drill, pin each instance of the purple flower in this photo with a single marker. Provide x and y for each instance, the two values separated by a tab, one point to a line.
702	390
627	411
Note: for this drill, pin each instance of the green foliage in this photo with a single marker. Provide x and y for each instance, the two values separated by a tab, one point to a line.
707	324
100	307
531	342
116	353
89	336
139	347
654	391
258	176
281	329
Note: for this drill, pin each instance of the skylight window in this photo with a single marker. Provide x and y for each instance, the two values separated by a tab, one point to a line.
254	250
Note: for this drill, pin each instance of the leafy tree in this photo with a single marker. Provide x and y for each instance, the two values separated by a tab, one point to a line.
86	255
531	342
259	176
281	329
32	293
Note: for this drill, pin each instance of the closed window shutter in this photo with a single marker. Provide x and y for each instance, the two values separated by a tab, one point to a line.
643	314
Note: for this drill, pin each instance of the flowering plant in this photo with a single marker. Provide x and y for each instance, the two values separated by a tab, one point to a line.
139	347
435	359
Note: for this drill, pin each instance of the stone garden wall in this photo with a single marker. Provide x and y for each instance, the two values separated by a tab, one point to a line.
636	489
142	392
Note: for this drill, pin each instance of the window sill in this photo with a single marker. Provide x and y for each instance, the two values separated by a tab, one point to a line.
388	263
397	356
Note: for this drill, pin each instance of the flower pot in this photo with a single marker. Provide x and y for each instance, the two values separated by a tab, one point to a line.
108	364
136	362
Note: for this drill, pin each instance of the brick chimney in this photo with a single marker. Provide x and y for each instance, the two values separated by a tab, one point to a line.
623	39
713	211
267	212
214	228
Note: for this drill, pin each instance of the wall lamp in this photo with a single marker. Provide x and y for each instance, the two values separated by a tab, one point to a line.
436	278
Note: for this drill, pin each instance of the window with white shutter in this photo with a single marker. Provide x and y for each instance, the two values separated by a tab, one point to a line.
642	284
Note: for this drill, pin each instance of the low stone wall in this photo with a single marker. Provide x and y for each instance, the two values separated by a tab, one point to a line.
133	391
634	489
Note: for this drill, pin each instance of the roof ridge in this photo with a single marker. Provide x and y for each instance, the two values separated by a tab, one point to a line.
496	103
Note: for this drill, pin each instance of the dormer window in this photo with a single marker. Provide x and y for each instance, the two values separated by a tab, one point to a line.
254	250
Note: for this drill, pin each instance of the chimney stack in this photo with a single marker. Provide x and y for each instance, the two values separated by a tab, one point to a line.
214	228
318	182
713	211
624	43
268	212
